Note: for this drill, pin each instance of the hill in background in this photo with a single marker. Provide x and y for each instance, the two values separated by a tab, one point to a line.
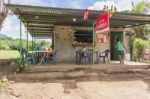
3	36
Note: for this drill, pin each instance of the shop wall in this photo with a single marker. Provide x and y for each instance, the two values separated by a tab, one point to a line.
103	46
63	44
126	40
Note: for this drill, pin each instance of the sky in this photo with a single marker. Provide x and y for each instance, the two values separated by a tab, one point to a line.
11	23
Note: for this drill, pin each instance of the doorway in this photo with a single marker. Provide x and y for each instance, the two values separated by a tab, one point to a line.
113	42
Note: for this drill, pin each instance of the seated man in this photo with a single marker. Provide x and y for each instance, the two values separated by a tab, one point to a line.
37	55
49	54
82	55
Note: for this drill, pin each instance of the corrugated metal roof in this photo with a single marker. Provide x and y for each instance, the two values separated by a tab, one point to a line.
42	19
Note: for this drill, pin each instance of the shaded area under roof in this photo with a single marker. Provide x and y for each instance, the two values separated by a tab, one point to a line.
41	20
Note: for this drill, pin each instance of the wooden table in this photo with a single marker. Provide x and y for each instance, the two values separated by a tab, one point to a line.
43	56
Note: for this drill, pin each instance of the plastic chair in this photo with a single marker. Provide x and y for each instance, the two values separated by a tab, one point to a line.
52	56
104	54
26	56
90	55
84	57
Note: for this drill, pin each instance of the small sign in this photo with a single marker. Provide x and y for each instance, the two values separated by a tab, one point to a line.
86	14
102	23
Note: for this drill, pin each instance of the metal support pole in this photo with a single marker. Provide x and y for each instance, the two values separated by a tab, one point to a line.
93	40
32	44
53	39
27	38
20	43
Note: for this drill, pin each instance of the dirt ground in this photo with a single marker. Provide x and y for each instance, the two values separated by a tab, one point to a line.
79	84
136	89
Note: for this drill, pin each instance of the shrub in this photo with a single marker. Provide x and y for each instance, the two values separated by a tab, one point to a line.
20	65
2	85
138	47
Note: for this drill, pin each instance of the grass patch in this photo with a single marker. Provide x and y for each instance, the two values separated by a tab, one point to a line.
9	54
2	85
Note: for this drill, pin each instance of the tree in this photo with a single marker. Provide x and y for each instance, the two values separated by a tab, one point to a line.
142	7
142	31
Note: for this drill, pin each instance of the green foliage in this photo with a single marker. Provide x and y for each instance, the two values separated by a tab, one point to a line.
13	44
141	8
2	85
147	31
138	47
20	65
5	54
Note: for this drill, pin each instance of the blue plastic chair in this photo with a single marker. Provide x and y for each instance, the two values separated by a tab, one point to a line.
90	55
84	57
26	56
52	57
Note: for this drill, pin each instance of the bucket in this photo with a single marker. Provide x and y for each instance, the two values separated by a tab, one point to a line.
127	56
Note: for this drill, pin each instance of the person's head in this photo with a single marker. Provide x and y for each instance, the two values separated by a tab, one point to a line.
118	40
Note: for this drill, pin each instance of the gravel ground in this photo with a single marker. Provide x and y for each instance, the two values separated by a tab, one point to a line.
137	89
85	84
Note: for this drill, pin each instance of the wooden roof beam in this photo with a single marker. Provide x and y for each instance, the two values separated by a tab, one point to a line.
40	28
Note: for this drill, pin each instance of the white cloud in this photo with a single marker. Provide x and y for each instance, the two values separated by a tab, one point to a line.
125	4
11	27
100	5
33	2
120	4
147	0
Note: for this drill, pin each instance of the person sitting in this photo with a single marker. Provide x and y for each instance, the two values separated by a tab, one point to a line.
82	55
37	55
37	48
48	54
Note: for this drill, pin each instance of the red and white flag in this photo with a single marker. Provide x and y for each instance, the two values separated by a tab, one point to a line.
86	14
102	23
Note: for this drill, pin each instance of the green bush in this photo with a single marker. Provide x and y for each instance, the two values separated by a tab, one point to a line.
138	47
20	65
2	85
12	44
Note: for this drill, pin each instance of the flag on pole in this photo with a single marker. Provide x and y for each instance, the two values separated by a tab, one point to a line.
86	14
102	27
102	23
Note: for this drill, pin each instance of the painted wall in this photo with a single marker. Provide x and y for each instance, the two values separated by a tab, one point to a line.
102	47
63	44
126	40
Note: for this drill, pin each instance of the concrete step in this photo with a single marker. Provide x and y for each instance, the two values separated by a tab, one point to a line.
4	62
101	67
79	75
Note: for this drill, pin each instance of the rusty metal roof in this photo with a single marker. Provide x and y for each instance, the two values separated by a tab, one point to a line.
41	20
